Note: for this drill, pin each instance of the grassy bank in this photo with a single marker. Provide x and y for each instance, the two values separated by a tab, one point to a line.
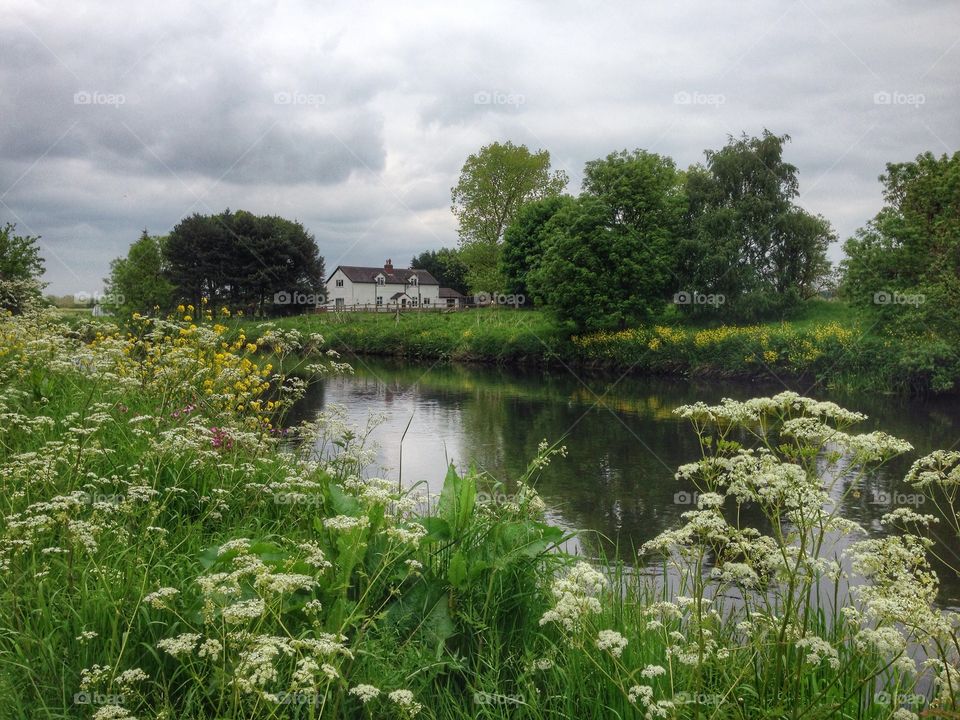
824	343
167	552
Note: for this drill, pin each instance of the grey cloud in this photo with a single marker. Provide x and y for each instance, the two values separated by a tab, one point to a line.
355	118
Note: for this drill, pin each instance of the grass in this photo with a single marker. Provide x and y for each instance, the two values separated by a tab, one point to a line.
169	550
828	343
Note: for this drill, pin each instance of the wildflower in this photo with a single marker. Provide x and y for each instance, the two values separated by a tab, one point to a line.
652	671
611	641
366	693
129	677
643	693
412	534
404	698
314	556
575	593
239	544
158	599
90	677
345	523
86	635
819	650
113	712
181	645
243	611
210	648
543	664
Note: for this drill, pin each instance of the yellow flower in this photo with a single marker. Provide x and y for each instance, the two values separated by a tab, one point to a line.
181	309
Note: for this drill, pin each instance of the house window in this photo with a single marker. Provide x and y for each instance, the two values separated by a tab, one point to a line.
380	280
339	283
379	300
426	301
339	303
413	280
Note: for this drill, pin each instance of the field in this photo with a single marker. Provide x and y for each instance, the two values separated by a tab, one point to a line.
169	549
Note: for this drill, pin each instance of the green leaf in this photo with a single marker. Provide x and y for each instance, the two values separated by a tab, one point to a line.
437	529
457	570
344	504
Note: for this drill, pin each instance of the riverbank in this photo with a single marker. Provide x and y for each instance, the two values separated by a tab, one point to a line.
166	552
825	344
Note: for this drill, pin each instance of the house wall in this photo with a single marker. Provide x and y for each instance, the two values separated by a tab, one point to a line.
359	294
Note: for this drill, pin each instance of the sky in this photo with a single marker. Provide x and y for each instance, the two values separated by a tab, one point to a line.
355	118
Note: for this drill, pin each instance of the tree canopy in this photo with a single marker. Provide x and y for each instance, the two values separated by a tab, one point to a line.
494	184
21	267
608	255
524	241
905	263
445	265
243	260
138	283
746	238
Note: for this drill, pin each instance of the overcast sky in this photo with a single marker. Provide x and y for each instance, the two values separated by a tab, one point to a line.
355	117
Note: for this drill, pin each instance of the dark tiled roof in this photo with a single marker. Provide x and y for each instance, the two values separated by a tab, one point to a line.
359	274
397	296
449	293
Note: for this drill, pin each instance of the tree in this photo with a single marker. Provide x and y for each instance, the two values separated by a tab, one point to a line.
594	273
138	282
20	269
445	265
524	240
263	263
494	183
747	239
911	248
609	256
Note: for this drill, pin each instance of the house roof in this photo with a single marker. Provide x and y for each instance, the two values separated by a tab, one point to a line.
450	293
398	295
400	276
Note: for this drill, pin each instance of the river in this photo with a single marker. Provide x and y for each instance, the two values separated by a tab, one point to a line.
623	441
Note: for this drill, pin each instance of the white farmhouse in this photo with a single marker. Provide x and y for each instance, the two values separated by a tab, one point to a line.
381	288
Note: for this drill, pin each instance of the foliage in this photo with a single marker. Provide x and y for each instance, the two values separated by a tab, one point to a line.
524	241
167	550
446	265
20	269
138	283
747	239
494	184
608	257
905	264
243	260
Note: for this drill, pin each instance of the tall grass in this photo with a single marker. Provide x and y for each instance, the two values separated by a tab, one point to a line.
824	342
169	550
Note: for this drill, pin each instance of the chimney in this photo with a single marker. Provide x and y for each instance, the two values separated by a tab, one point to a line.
388	266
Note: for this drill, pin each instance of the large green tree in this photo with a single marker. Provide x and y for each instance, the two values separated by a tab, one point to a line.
609	256
905	263
524	241
494	184
445	265
747	240
264	263
137	282
20	269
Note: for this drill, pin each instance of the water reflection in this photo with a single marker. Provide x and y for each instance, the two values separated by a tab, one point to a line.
624	444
